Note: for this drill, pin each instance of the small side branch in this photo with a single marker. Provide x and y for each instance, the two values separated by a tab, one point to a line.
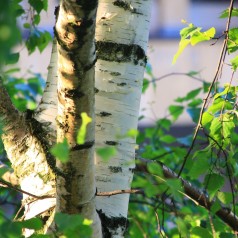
200	198
122	191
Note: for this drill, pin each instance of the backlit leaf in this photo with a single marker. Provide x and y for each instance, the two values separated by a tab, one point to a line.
61	151
83	129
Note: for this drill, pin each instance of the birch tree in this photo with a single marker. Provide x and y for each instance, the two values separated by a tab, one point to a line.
35	132
90	103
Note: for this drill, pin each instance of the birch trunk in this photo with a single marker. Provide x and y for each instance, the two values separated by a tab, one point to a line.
75	31
122	37
26	144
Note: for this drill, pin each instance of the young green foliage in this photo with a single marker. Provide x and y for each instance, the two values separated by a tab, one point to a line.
192	35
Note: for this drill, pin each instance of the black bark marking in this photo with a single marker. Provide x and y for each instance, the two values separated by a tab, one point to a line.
96	90
115	73
110	51
126	6
56	12
87	5
110	224
111	142
36	128
86	145
105	114
73	93
121	84
115	169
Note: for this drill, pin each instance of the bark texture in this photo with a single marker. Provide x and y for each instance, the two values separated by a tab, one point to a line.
75	31
122	35
28	155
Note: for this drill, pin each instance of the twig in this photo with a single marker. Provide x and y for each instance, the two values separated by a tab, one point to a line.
176	73
219	68
9	185
200	198
122	191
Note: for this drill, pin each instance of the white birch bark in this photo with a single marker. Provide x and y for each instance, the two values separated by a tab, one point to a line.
75	30
122	36
27	154
47	109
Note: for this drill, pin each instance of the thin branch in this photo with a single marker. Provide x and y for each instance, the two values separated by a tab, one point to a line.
200	198
4	183
219	68
122	191
176	73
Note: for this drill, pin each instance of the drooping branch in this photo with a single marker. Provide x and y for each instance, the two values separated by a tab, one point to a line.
225	214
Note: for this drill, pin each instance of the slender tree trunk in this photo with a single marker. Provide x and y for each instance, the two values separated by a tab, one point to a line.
122	37
75	31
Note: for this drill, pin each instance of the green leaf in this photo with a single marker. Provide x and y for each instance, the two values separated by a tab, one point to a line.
228	125
234	138
167	139
194	113
206	87
33	223
191	95
186	32
10	229
83	129
4	169
192	73
182	227
234	63
224	92
164	123
218	105
73	226
215	129
225	13
40	236
27	25
43	41
37	5
232	43
202	36
146	84
216	206
45	5
12	58
213	183
200	232
36	19
225	197
156	169
200	165
61	151
106	153
195	102
226	235
132	133
175	111
206	118
182	45
38	39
